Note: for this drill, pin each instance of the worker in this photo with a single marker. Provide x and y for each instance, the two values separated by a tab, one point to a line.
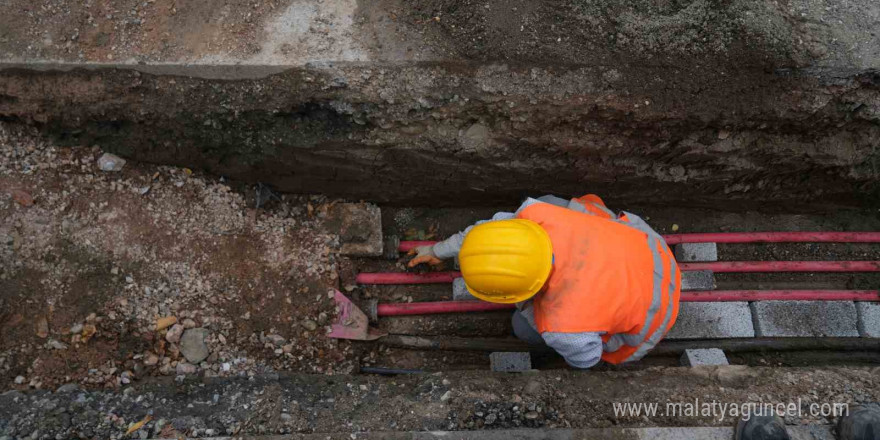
588	283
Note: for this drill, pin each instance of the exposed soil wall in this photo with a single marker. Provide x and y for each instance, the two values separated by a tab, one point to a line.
456	133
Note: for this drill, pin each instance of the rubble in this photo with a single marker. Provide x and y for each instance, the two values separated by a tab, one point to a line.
193	346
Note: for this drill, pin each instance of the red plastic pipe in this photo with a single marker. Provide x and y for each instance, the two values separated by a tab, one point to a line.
784	266
741	237
780	295
406	277
775	237
429	308
718	267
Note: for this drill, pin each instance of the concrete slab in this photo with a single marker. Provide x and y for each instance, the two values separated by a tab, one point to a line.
708	320
359	226
805	318
703	356
460	292
511	362
688	252
869	319
698	280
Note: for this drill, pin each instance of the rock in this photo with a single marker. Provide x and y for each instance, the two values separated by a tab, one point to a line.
19	380
22	197
57	345
76	328
193	346
89	330
287	348
110	162
174	333
186	368
67	388
446	396
359	226
490	419
165	322
189	323
42	327
310	325
531	415
276	340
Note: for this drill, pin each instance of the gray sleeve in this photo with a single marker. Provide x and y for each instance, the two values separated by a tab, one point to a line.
449	248
580	350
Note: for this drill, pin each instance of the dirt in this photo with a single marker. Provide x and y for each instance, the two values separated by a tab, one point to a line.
119	250
443	401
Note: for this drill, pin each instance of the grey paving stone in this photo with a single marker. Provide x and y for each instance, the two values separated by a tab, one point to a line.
805	318
708	320
698	280
509	361
694	357
869	319
460	292
687	252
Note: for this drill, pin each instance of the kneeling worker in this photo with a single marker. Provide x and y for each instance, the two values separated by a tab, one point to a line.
589	284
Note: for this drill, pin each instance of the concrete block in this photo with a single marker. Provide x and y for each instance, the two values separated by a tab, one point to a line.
709	320
805	318
509	361
688	252
694	357
460	292
869	319
698	280
359	226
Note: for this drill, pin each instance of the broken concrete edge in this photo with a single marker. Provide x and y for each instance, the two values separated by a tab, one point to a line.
797	432
696	252
703	356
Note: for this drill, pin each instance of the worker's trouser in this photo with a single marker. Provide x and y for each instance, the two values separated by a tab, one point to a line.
524	331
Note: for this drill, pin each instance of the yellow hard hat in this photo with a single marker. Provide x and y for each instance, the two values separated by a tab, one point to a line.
506	261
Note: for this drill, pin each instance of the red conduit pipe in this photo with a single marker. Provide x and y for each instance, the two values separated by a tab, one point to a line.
741	237
406	278
718	267
784	266
429	308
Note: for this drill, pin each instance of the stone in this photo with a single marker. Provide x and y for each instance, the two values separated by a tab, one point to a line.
805	318
42	327
110	162
186	368
446	396
276	340
692	252
309	325
507	361
151	359
76	328
460	292
698	280
193	346
174	333
709	320
694	357
359	226
869	319
67	388
19	380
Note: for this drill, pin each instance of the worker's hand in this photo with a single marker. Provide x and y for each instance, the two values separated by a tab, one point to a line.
424	254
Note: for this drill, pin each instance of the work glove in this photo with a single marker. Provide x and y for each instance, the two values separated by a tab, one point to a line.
424	254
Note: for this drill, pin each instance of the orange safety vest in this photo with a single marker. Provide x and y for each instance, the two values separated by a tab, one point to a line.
611	275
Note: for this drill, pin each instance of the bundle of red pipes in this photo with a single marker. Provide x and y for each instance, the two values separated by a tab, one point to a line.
694	296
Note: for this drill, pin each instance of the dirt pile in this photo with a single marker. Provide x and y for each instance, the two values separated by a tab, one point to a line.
91	260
